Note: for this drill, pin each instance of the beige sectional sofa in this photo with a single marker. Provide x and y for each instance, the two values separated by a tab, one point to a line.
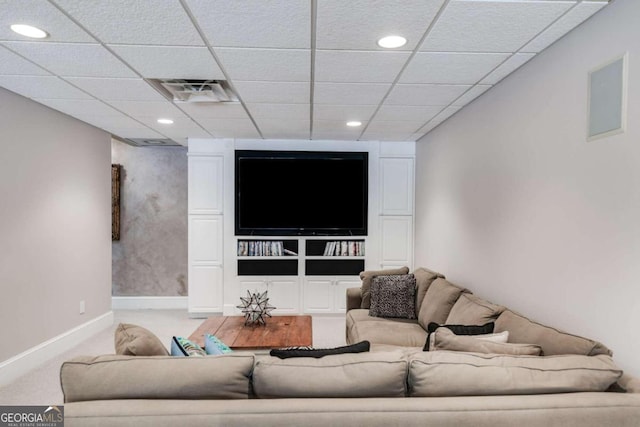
575	383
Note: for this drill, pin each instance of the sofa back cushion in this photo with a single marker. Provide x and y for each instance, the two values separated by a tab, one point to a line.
157	377
368	275
424	278
445	373
472	310
553	341
375	374
438	301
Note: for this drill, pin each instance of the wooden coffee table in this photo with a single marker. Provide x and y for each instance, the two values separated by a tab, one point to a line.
279	332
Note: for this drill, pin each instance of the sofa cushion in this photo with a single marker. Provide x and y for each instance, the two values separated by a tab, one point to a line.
553	341
285	353
343	375
472	310
368	275
134	340
157	377
445	339
438	301
424	278
487	328
393	296
377	330
446	373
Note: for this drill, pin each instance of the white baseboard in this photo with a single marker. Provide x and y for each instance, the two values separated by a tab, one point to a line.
153	303
30	359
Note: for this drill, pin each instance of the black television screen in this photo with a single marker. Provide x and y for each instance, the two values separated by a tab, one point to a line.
301	193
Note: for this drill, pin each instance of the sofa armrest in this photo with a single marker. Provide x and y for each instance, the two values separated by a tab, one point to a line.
354	298
630	383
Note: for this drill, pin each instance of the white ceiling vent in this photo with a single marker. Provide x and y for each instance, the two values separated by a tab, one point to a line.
195	91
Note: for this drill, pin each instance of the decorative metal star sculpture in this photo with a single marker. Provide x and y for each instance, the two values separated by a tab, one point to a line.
255	307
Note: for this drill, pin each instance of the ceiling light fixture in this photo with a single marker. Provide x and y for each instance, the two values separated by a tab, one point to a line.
390	42
29	31
165	121
354	124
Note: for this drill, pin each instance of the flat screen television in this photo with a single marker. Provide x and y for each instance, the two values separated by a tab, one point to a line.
301	193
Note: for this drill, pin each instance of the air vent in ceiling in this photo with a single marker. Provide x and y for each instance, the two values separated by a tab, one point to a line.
151	142
195	91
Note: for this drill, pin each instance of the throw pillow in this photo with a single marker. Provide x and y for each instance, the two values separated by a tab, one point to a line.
393	296
285	353
424	278
213	345
134	340
445	339
367	277
502	337
183	347
487	328
472	310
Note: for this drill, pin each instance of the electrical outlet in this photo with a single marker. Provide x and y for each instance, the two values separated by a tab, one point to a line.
82	307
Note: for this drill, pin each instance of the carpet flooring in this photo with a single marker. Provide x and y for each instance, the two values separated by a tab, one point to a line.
41	386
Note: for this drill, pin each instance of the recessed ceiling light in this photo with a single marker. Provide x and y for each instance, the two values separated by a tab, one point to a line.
29	31
354	124
391	42
165	121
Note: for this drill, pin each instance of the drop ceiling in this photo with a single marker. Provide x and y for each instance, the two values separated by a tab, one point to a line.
300	69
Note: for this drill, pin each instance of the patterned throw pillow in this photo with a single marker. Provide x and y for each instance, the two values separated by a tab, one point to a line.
213	345
183	347
393	296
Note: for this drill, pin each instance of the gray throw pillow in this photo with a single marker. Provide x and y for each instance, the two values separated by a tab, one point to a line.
393	296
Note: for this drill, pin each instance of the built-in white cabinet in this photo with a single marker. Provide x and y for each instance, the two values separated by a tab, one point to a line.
206	298
396	186
283	292
327	294
397	235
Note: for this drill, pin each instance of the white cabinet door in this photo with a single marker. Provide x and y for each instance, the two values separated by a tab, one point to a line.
206	297
318	295
340	293
284	295
397	240
206	187
205	239
396	186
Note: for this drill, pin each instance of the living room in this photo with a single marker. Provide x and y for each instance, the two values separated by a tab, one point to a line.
511	200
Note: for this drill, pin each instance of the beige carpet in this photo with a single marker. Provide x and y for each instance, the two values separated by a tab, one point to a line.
42	385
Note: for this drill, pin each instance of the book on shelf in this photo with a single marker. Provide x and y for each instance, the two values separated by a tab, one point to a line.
344	248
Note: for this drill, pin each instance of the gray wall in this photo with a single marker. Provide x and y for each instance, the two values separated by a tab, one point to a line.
515	204
150	259
55	223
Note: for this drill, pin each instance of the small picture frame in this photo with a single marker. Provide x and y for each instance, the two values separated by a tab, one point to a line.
607	99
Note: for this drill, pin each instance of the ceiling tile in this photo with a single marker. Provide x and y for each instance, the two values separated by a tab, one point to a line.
470	95
266	24
80	107
40	14
386	136
167	62
248	133
13	64
338	126
160	22
358	66
444	115
273	92
204	110
408	113
275	126
79	60
288	65
470	26
279	111
329	135
287	134
573	18
181	126
42	87
507	67
424	94
220	125
428	127
113	122
358	24
343	113
455	68
152	109
117	89
349	93
388	126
